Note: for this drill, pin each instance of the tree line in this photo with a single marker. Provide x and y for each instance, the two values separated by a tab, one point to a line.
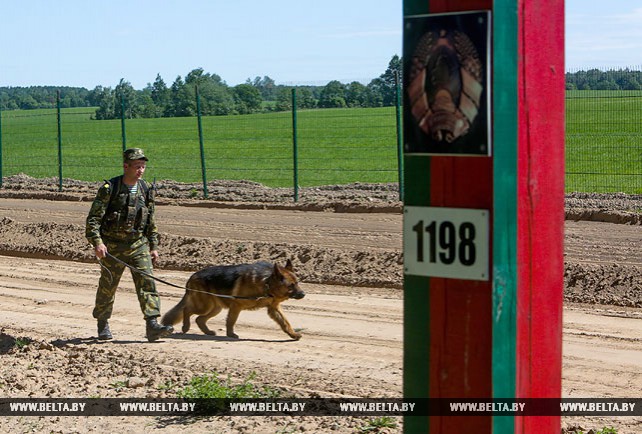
158	99
594	79
261	94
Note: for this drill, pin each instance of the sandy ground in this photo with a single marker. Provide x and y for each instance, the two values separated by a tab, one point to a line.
351	318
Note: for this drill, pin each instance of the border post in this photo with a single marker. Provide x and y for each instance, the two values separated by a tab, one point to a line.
483	154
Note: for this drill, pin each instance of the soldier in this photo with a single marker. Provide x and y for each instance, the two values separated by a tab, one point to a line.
121	222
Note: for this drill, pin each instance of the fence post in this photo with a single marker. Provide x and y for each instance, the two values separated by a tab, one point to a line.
200	141
295	148
59	143
122	120
0	147
399	140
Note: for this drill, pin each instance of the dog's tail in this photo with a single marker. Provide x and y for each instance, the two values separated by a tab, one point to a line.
175	314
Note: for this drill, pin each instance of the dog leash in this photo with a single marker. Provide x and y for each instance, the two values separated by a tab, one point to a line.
144	273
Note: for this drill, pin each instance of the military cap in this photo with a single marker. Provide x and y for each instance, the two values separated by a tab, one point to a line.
134	154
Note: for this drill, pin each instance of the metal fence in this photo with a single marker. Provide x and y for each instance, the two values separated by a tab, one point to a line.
277	149
604	130
604	141
300	147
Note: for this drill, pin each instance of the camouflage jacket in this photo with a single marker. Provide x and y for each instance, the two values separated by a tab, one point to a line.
122	216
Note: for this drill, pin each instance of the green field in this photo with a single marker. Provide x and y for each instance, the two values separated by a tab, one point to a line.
335	146
604	141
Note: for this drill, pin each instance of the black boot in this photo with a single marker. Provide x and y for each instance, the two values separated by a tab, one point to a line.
156	331
103	330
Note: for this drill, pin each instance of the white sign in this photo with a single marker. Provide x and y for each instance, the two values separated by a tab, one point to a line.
446	242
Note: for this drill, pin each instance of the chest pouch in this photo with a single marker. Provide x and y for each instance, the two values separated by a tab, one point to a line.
136	217
140	219
127	213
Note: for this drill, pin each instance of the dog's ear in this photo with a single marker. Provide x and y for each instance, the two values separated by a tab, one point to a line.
288	265
277	271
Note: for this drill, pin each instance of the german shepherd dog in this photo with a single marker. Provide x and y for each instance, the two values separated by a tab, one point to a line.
257	285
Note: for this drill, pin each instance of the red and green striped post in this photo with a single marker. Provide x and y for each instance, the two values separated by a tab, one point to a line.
501	337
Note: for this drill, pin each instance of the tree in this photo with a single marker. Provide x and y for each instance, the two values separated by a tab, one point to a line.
215	96
106	100
160	95
266	86
375	93
27	102
4	100
284	99
93	97
627	80
356	95
125	95
388	82
247	99
146	107
606	85
181	101
593	77
305	98
332	95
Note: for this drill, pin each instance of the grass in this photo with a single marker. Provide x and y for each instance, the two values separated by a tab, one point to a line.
377	424
604	430
22	342
334	146
211	386
118	385
604	141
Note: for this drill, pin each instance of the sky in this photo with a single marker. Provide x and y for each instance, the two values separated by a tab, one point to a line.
84	43
603	34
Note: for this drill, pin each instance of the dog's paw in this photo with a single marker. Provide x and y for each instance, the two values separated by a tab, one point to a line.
210	332
232	335
296	336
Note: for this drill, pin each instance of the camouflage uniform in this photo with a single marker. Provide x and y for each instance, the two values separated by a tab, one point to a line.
125	223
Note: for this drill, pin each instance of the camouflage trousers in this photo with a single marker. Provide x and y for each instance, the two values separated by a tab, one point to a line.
137	255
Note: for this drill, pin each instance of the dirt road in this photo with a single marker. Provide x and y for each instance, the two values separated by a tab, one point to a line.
352	333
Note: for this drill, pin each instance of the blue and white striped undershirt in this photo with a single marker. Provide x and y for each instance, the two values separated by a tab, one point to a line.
133	189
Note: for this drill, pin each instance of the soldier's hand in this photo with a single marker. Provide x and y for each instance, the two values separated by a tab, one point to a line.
101	251
154	255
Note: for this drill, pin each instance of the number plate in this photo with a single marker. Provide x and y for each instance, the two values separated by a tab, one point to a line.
446	242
